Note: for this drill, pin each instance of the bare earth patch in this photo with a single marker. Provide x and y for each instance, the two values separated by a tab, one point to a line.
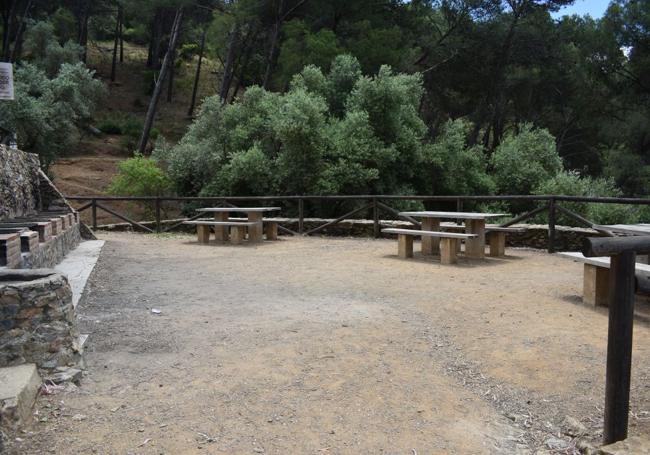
320	345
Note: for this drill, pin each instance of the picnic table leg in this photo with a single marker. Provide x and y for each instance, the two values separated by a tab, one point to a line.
430	245
271	230
475	247
237	234
448	248
255	233
595	288
404	246
203	233
221	232
497	242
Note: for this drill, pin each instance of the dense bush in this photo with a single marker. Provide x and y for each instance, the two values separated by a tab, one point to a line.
55	96
139	176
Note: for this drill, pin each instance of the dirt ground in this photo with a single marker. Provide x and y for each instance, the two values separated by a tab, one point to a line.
322	345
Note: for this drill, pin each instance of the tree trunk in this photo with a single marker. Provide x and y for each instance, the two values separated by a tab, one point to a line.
116	41
18	45
275	35
7	22
151	112
197	76
121	12
82	32
172	72
228	68
156	38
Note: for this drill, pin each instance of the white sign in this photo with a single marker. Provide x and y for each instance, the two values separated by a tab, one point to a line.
6	81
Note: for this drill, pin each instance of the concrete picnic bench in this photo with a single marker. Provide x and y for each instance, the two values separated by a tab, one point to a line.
226	228
595	285
474	224
495	236
448	242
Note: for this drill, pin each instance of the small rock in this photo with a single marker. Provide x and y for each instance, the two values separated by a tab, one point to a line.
66	375
156	311
79	417
573	427
556	444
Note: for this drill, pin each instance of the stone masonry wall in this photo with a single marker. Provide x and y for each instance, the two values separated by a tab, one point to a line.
37	321
19	183
534	235
52	252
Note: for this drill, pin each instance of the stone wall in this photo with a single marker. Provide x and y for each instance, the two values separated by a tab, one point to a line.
534	236
19	183
37	320
50	253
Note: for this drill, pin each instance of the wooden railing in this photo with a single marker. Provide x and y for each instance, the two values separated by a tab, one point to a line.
373	203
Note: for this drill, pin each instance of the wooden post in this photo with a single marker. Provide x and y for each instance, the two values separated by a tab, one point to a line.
430	245
551	225
404	246
158	221
301	216
94	213
375	218
619	346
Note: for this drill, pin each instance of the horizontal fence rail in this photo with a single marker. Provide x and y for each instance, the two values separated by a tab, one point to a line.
369	203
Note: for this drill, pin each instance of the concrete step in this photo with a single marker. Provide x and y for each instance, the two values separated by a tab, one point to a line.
19	387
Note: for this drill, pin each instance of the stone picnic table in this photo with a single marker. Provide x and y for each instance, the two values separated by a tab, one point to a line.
254	214
474	224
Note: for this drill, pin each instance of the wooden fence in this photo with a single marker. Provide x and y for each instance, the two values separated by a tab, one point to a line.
374	203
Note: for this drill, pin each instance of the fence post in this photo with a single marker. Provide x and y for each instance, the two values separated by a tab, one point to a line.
375	217
551	225
301	216
619	346
158	221
94	213
459	205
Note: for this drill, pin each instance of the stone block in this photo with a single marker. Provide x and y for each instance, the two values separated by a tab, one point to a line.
633	444
19	387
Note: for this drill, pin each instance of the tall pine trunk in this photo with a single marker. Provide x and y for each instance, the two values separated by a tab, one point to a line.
197	76
118	21
153	104
229	64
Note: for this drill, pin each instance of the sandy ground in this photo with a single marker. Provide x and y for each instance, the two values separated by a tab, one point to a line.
321	345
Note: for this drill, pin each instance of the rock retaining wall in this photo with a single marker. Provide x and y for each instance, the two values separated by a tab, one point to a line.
534	236
19	183
37	320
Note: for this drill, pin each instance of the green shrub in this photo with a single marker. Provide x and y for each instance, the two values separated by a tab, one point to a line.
139	176
188	51
110	126
571	183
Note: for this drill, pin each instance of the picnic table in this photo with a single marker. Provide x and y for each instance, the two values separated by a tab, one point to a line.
254	215
474	224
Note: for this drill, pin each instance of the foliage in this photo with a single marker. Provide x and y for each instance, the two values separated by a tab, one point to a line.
139	176
571	183
523	161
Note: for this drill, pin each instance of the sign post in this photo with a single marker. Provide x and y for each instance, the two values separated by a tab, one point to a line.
6	81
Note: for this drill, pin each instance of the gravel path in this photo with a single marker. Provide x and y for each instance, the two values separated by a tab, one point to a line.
320	345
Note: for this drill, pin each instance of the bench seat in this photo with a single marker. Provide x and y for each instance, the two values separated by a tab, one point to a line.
448	242
595	287
237	229
496	236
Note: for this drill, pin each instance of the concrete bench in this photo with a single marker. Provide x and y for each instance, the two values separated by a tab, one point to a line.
448	242
595	285
10	255
270	227
496	236
237	229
